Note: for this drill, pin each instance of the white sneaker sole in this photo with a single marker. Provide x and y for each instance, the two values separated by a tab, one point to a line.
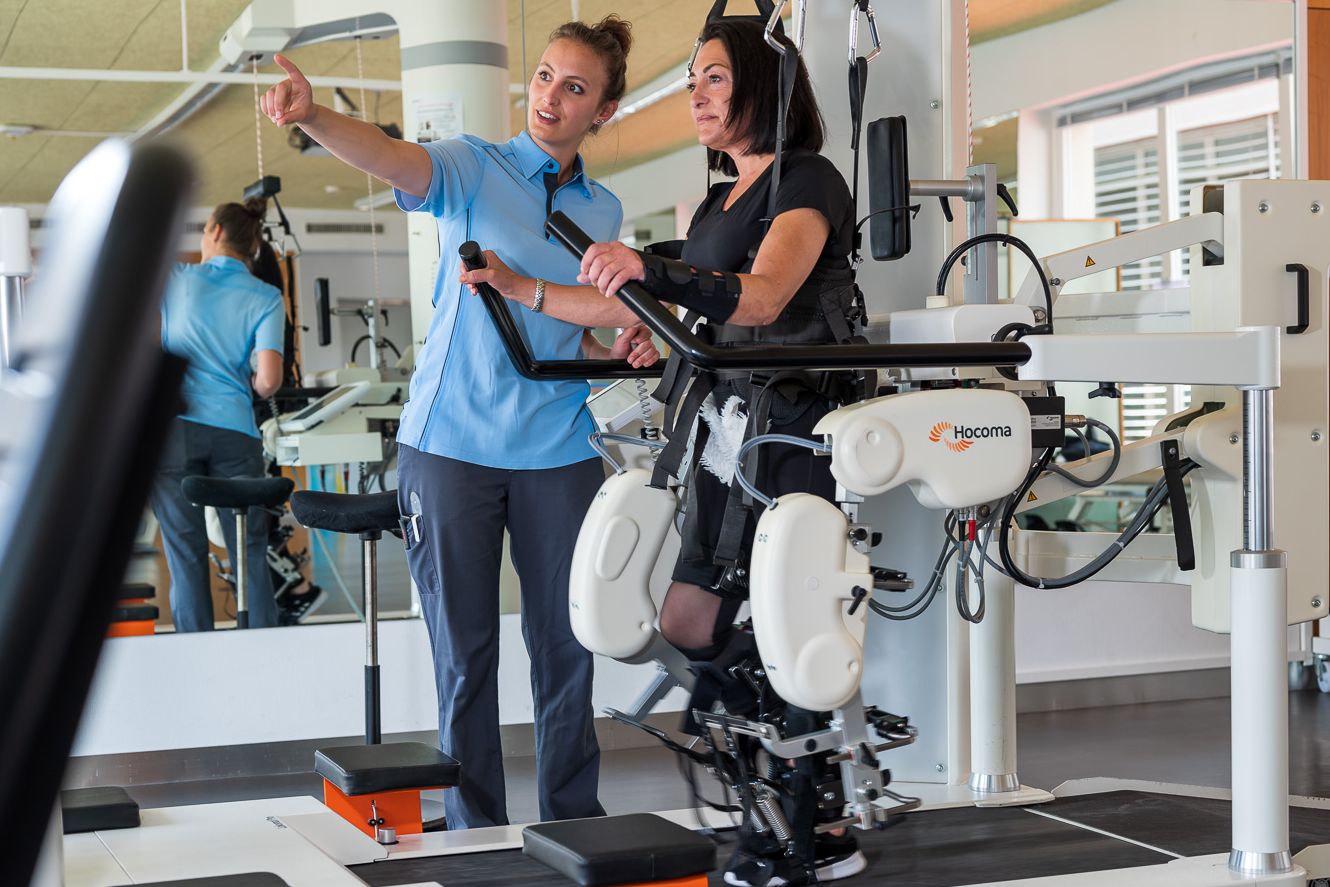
835	871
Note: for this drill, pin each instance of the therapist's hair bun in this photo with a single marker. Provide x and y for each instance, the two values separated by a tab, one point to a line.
611	38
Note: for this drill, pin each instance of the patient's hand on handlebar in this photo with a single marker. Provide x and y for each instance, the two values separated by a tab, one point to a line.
608	266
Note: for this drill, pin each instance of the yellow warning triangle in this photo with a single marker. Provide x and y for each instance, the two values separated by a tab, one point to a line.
1089	262
1032	497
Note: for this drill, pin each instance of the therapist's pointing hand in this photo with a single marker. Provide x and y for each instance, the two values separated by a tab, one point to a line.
292	100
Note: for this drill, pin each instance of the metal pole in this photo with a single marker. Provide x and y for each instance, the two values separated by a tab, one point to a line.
372	321
1259	610
242	573
993	688
11	306
370	562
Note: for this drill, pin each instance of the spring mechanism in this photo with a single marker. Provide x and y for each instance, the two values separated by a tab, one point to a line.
649	431
769	807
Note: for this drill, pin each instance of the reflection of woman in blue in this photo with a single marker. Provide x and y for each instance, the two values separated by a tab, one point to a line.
218	316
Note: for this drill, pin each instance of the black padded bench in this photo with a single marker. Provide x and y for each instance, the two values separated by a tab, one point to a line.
637	849
98	808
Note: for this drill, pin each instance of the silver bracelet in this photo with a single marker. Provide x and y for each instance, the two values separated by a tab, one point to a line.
538	303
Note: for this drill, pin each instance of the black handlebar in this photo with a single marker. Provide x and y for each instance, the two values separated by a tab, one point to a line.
520	353
661	321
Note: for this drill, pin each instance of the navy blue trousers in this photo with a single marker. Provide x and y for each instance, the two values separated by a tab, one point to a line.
194	448
463	511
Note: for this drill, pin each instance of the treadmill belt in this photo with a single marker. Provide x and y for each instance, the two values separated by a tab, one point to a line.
948	848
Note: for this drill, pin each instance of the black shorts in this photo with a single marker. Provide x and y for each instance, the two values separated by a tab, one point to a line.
782	468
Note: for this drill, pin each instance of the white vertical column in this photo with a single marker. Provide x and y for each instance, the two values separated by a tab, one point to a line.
993	687
453	51
1259	660
15	267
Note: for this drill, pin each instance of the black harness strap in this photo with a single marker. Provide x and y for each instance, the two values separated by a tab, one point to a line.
1177	503
671	458
858	87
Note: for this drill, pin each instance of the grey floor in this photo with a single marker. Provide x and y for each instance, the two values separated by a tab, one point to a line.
1182	742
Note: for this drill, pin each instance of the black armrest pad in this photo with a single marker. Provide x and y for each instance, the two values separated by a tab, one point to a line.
392	766
619	849
98	808
252	879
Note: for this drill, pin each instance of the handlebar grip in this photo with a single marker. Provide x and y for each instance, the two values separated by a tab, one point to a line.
567	232
471	255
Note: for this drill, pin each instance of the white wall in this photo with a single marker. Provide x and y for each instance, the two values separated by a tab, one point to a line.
1116	44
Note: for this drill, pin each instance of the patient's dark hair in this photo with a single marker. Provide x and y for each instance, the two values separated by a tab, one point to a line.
242	224
754	102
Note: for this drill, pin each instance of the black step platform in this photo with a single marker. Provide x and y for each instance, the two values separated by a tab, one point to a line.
97	808
612	850
387	767
950	848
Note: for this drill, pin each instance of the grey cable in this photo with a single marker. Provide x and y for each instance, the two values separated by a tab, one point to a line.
790	439
1112	465
596	440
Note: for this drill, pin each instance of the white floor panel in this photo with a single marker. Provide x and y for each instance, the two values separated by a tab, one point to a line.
1199	871
336	837
225	839
89	864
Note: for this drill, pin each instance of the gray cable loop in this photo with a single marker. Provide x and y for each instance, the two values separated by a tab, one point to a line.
790	439
1112	465
596	439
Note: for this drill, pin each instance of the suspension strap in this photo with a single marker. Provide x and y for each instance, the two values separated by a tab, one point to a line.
858	90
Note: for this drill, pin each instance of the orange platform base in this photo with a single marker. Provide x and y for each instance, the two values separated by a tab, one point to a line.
136	628
690	881
398	809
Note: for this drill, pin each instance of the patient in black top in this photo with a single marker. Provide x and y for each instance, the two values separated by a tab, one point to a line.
760	275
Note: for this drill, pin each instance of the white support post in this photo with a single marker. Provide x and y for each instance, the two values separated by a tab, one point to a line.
15	266
993	687
1259	652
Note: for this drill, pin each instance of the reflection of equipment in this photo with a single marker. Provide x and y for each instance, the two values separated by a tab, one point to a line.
304	143
349	424
370	314
15	267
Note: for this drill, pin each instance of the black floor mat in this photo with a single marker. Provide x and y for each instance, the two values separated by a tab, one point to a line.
1187	826
941	848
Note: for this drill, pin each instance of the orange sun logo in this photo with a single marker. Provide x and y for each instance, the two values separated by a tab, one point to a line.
956	446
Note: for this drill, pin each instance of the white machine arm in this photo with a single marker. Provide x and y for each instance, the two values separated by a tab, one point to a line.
1064	267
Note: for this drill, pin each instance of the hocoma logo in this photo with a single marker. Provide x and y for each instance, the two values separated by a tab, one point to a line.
959	438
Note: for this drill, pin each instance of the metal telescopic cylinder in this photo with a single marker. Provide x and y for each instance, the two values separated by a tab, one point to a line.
370	562
242	573
1259	607
15	266
11	308
993	687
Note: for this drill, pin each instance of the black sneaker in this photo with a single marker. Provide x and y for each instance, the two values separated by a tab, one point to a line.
296	607
838	857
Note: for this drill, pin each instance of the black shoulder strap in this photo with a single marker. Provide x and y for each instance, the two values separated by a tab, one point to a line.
858	88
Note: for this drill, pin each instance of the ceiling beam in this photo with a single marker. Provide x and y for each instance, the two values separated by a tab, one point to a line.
236	78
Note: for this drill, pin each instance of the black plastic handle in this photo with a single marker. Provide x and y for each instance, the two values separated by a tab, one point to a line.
1304	299
661	321
520	353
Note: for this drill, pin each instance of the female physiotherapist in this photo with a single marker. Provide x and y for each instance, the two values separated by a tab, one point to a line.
481	447
217	315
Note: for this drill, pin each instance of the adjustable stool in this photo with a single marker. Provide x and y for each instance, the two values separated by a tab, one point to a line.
376	787
639	849
239	494
132	615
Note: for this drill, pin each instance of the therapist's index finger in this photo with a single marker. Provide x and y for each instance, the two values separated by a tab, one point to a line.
290	68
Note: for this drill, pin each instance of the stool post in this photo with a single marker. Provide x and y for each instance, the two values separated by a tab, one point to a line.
241	555
370	561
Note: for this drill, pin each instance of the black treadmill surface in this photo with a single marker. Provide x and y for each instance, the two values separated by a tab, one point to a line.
948	848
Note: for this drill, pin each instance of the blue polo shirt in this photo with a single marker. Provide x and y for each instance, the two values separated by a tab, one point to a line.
215	315
467	400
